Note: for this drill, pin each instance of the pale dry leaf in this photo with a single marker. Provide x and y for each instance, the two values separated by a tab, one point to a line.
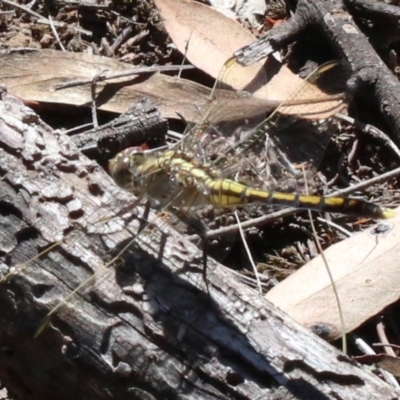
208	39
33	76
366	271
282	86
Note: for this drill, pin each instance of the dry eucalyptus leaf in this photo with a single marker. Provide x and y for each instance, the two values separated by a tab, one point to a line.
366	272
208	39
33	77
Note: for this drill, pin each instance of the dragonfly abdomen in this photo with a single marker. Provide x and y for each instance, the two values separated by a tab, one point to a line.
225	193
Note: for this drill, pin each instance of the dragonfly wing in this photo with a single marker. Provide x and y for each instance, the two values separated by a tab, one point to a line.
296	133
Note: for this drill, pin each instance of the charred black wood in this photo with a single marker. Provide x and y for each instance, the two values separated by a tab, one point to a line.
142	123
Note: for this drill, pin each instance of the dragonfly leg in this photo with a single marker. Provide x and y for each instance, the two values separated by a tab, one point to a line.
200	229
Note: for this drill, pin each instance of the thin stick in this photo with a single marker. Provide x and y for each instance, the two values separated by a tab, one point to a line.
370	130
380	328
328	270
136	71
185	54
248	253
55	33
336	226
121	38
93	91
22	8
363	347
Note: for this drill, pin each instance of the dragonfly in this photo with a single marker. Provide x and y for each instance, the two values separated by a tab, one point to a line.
181	178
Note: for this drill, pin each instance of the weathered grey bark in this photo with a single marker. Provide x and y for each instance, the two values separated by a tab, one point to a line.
146	329
363	63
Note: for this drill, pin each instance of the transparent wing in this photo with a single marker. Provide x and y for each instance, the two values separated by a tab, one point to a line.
248	135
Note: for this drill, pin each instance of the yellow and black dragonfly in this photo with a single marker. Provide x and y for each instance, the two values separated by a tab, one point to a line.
183	177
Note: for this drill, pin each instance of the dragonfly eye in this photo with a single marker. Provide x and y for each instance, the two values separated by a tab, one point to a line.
119	168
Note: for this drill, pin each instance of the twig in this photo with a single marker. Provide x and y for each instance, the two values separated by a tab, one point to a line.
336	226
55	33
394	346
185	54
248	253
364	348
123	37
57	24
370	130
380	328
22	8
93	91
328	270
78	128
136	71
248	280
23	50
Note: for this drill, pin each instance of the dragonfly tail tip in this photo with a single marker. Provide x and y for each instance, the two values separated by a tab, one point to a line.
388	213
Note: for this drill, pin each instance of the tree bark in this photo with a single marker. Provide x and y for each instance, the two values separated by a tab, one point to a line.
144	328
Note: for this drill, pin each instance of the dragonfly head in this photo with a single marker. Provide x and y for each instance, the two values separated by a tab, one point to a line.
119	170
124	169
